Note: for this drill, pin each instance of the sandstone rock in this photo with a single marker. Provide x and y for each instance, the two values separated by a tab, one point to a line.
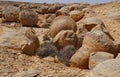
51	18
64	38
93	42
42	10
28	17
29	73
76	15
117	46
77	6
62	23
54	8
11	13
98	57
118	56
19	39
66	53
91	22
109	68
63	11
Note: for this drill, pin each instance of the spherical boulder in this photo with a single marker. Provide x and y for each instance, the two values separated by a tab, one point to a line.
28	17
64	38
10	13
62	23
109	68
91	22
76	15
93	42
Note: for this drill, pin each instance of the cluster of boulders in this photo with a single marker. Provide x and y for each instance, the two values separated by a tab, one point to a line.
90	46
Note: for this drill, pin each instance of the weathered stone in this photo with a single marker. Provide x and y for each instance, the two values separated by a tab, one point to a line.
98	57
63	11
77	6
64	38
28	17
109	68
11	13
51	18
76	15
91	22
19	39
93	41
118	56
62	23
29	73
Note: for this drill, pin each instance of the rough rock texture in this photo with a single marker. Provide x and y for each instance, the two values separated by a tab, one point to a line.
107	68
11	13
63	11
64	38
76	15
94	41
29	73
62	23
118	56
19	39
91	22
78	6
28	17
98	57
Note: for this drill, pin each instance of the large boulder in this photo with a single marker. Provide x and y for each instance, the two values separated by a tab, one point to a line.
63	11
98	57
91	22
64	38
19	38
77	6
109	68
11	13
76	15
94	41
62	23
28	17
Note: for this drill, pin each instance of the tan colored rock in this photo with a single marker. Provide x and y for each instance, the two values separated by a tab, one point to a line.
62	23
76	15
118	56
64	38
63	11
93	42
91	22
98	57
77	6
19	39
109	68
11	13
28	73
51	18
28	17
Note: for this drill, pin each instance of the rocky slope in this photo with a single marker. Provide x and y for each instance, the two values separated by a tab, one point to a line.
18	44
